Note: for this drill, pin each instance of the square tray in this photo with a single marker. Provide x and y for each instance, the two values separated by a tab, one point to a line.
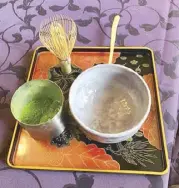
144	153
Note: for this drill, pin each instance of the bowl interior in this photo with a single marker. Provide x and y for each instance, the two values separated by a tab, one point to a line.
109	99
34	90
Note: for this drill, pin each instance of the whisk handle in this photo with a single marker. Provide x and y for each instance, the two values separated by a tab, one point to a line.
66	65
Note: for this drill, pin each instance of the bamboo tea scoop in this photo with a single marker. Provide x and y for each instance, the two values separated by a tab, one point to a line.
113	37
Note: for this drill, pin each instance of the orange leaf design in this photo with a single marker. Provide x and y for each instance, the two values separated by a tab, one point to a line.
39	74
83	60
44	62
77	155
149	79
150	126
87	60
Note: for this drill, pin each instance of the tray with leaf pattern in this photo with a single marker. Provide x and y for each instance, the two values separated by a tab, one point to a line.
144	153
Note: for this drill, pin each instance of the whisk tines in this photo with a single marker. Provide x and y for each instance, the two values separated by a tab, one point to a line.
58	34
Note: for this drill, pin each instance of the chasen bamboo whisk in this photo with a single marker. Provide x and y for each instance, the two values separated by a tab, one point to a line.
58	35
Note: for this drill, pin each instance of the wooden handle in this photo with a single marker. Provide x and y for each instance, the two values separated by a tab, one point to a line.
113	37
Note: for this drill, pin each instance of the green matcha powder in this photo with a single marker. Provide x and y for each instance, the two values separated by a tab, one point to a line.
39	110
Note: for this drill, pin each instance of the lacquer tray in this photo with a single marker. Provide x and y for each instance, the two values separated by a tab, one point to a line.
144	153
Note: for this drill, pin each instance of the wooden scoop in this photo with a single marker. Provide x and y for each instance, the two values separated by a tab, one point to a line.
113	37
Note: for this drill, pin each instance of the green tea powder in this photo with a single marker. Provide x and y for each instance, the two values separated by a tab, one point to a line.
40	110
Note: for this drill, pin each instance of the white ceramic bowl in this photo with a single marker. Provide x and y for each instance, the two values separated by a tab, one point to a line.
110	102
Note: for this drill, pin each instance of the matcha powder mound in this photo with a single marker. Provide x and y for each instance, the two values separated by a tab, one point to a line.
39	110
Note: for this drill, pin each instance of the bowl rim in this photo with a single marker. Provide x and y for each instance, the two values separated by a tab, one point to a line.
111	135
38	124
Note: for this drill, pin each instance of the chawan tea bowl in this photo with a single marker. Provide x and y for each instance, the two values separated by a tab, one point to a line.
110	102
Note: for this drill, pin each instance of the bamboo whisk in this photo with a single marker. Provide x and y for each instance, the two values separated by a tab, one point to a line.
58	35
